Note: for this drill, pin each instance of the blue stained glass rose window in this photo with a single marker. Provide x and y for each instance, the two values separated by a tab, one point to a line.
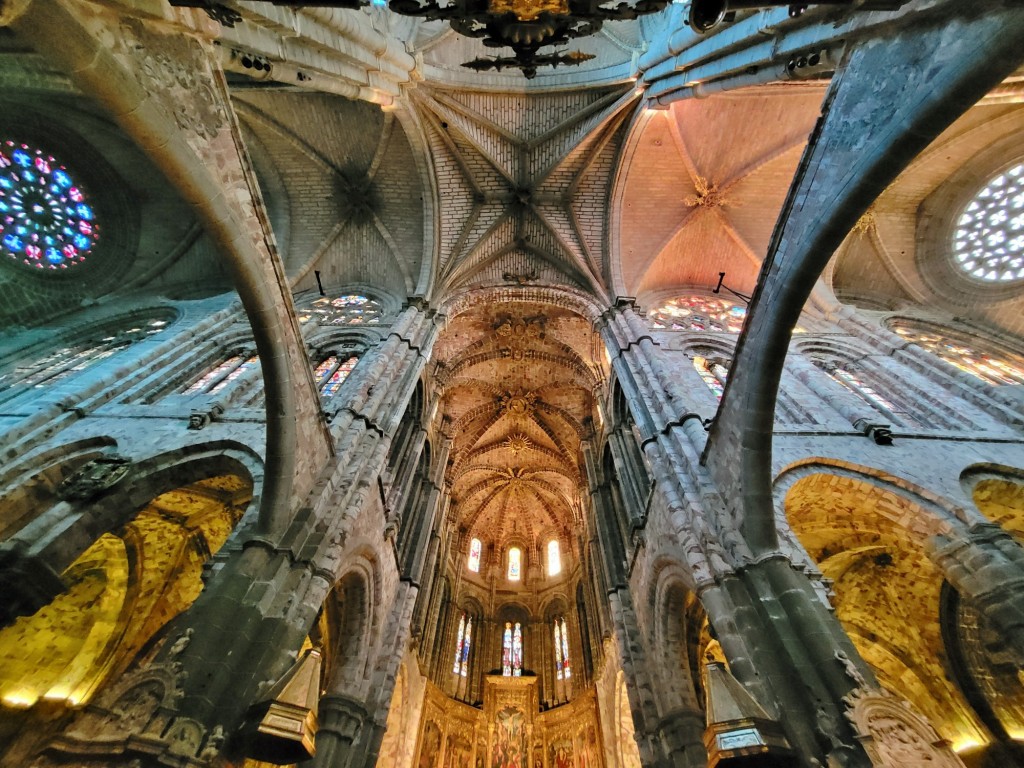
46	220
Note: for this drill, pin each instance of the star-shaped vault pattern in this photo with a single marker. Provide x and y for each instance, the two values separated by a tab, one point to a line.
523	192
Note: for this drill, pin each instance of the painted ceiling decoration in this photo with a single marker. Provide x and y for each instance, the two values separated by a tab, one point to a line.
517	404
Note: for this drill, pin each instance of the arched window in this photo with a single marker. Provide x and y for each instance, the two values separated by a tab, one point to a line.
988	243
69	360
351	309
991	366
554	558
461	665
866	392
474	555
512	650
517	650
714	371
332	372
699	313
217	378
562	668
514	564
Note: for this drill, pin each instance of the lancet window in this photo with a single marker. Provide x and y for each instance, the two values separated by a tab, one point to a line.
515	557
220	376
71	359
512	650
714	372
865	391
332	372
475	549
554	558
992	367
465	636
563	670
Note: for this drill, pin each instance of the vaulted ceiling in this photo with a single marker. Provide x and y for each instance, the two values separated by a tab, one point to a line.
517	390
704	185
522	183
899	254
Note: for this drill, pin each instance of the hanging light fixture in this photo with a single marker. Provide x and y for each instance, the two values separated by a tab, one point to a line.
525	26
528	26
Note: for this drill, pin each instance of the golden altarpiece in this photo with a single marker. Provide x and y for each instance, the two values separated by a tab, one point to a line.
509	731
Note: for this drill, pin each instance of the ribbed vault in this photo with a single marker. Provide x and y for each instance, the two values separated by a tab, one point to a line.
522	181
518	396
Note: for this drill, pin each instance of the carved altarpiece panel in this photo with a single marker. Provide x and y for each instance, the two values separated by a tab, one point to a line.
509	731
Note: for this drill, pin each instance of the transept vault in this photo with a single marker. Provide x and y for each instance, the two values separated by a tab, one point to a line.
362	409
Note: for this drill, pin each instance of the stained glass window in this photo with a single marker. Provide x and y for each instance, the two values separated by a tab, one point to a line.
517	650
858	386
45	219
331	374
461	665
216	379
514	563
512	650
699	313
988	243
474	555
352	309
458	644
562	667
554	558
69	360
465	646
989	367
565	651
713	372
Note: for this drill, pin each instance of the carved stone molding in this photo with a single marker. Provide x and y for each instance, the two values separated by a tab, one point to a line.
95	477
895	736
133	722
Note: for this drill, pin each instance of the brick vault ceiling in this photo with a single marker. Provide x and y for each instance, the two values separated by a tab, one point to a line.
348	177
523	184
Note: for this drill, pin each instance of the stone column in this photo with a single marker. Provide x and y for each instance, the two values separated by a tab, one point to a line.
682	739
341	720
986	566
781	642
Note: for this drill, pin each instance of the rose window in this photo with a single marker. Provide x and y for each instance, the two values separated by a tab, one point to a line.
988	243
45	219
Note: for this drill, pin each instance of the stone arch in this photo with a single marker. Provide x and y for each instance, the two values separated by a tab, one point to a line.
350	608
869	543
680	634
30	483
998	493
118	596
105	492
807	237
933	514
